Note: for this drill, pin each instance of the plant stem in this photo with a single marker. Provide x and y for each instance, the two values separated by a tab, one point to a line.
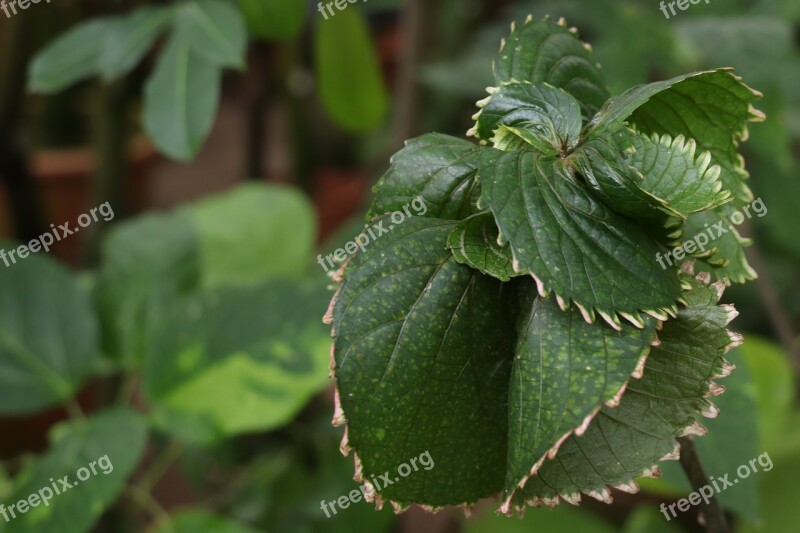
144	500
74	410
160	465
715	521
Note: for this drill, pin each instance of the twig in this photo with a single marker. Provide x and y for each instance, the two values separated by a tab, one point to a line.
715	521
150	505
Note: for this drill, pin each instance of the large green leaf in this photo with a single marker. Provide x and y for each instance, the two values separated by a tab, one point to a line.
239	360
474	243
252	233
72	57
181	100
48	334
542	521
437	168
627	441
564	371
572	243
423	350
132	37
349	80
681	106
215	29
274	19
104	450
548	52
147	263
534	114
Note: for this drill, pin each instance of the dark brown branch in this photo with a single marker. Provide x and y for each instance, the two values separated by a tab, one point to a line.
715	521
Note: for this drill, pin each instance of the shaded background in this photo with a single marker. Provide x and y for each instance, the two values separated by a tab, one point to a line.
218	241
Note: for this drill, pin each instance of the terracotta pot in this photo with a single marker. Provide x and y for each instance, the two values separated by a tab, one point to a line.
64	180
338	195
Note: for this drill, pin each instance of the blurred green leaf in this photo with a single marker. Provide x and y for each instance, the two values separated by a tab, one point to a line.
72	57
647	519
778	491
48	334
254	232
132	37
146	264
274	19
558	520
350	82
772	377
199	521
116	437
239	360
181	100
215	30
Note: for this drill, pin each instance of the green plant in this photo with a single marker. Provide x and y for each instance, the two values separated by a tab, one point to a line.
523	332
205	37
185	308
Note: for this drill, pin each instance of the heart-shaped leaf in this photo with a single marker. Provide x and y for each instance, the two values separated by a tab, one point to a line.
423	350
438	168
48	334
564	371
572	243
521	114
627	441
549	52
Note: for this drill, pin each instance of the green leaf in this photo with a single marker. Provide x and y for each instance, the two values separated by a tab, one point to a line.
564	371
239	229
215	30
775	389
147	263
421	365
603	165
572	243
728	258
539	115
181	100
48	335
626	442
132	37
438	168
350	83
72	57
239	360
681	106
474	243
274	19
671	171
548	52
732	440
111	443
646	519
199	521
